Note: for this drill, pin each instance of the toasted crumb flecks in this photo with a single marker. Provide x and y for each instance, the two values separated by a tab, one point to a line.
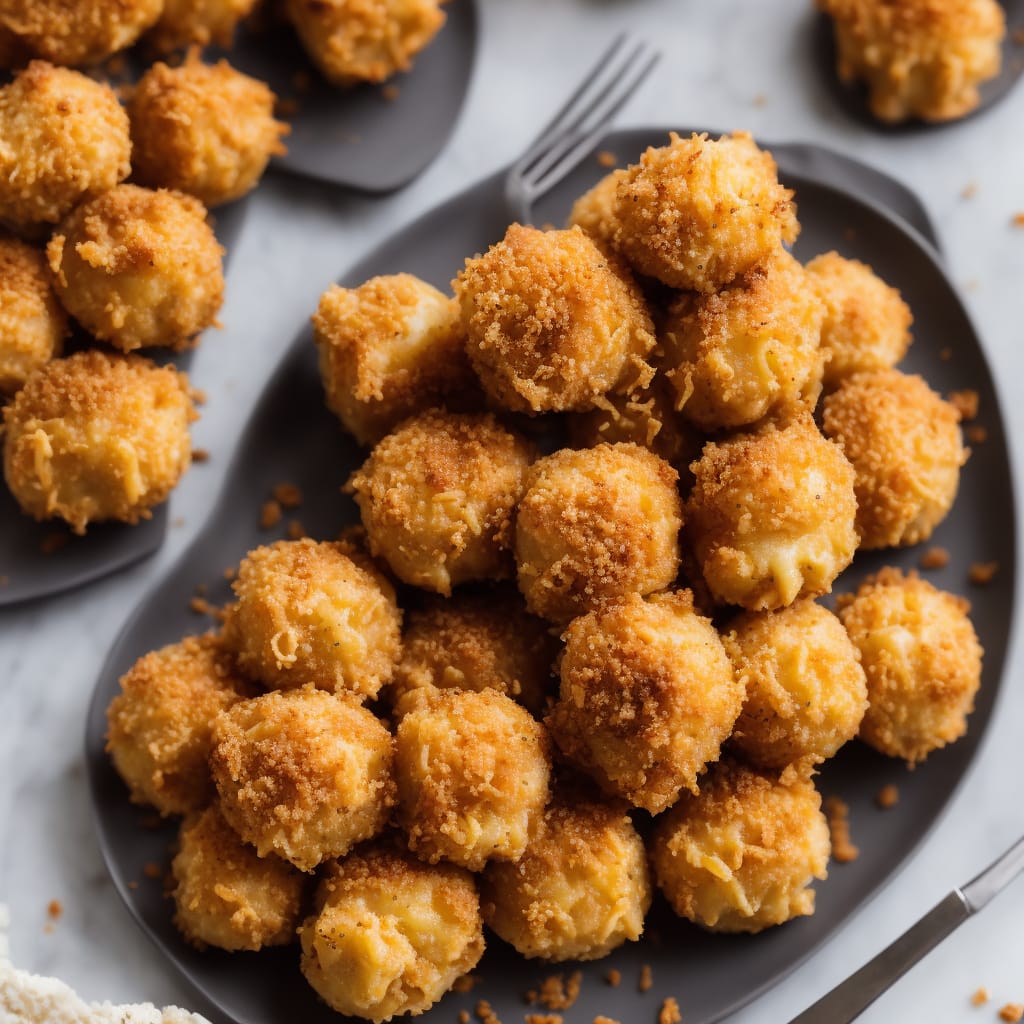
838	814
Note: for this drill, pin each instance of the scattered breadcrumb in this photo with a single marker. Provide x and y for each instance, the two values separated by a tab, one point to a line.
669	1012
946	354
965	402
977	434
613	977
286	108
887	797
646	979
48	929
466	983
133	885
153	870
53	542
604	1020
485	1013
390	93
981	996
200	455
760	100
203	607
982	573
544	1018
230	573
1018	36
837	811
296	531
463	1017
198	396
606	158
287	495
54	909
970	190
1018	220
934	558
270	514
557	992
1012	1012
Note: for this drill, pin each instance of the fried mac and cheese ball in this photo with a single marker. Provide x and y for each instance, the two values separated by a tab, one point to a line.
199	22
204	129
806	691
771	515
552	322
741	855
314	612
63	137
594	211
303	774
472	770
226	895
97	436
905	446
391	935
437	497
596	524
922	660
919	58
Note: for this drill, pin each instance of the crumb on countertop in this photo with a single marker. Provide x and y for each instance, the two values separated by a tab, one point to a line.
646	979
606	158
934	558
887	797
198	396
270	514
54	909
613	977
287	495
760	100
838	813
965	402
669	1012
982	573
980	996
200	455
1012	1012
970	190
1018	220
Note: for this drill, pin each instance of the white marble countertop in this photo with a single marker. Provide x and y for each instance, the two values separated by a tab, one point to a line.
728	64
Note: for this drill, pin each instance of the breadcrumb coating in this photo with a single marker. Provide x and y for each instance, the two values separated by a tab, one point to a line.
552	322
922	659
199	22
97	436
594	211
741	856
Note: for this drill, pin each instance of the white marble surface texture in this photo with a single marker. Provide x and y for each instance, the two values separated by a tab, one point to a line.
728	64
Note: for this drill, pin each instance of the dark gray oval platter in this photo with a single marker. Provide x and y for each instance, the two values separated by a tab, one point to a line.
291	436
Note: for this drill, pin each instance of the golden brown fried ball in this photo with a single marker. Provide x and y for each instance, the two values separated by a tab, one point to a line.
160	726
922	659
303	774
594	211
741	855
580	890
919	58
904	443
204	129
97	436
354	41
647	697
390	348
867	323
700	212
749	351
139	268
199	22
472	770
596	524
63	137
391	934
806	692
437	497
226	895
33	325
771	515
552	322
315	613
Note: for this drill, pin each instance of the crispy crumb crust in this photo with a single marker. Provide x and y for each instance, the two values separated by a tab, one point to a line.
594	211
200	22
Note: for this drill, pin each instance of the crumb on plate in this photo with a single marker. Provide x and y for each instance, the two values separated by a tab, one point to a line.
646	979
934	558
837	811
982	573
669	1012
965	402
887	797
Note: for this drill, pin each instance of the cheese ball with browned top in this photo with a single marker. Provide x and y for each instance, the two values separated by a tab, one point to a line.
390	935
199	22
138	268
63	138
472	770
303	774
905	446
594	525
204	129
741	855
552	322
315	613
922	659
594	211
96	437
771	515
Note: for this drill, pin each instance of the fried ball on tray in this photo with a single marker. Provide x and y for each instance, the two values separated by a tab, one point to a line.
160	726
200	22
741	855
472	770
316	613
552	322
139	268
226	895
63	137
806	691
771	515
922	660
905	446
391	935
437	497
97	436
594	211
596	524
303	774
204	129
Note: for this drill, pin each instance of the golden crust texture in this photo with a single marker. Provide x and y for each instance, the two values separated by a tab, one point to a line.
63	137
552	322
392	934
472	770
771	515
226	895
199	22
204	129
740	857
437	497
806	691
303	774
96	437
314	613
594	211
922	659
594	525
905	446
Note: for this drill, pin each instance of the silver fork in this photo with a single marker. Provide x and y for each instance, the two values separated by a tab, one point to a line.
574	130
